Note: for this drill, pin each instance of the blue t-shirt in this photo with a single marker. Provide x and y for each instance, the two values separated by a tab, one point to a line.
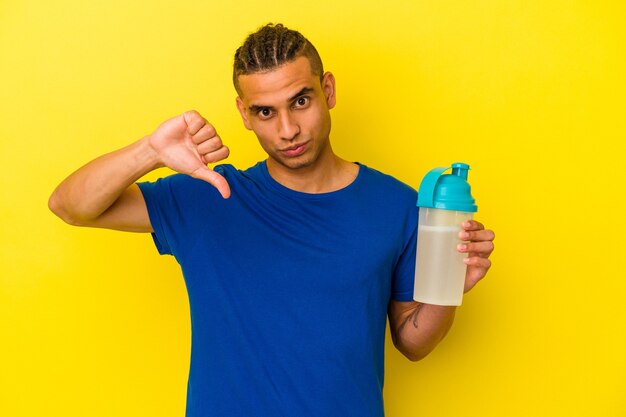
288	291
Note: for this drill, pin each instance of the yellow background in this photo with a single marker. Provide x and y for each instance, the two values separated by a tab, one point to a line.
530	93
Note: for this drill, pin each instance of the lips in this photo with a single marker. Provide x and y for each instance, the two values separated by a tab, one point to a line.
295	150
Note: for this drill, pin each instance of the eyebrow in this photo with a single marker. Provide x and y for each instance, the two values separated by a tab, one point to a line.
305	90
254	108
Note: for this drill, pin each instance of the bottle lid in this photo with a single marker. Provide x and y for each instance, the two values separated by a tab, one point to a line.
447	191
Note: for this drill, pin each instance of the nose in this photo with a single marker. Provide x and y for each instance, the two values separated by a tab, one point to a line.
288	127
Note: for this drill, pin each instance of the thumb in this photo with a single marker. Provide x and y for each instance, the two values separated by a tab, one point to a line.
216	180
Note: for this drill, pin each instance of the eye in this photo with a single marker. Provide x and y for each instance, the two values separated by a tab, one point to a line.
301	101
265	113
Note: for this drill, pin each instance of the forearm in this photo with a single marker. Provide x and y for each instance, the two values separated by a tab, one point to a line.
93	188
422	329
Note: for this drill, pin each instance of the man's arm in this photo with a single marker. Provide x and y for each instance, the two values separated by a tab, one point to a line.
416	328
103	193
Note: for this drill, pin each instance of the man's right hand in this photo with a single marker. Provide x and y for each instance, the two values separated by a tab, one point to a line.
104	193
186	144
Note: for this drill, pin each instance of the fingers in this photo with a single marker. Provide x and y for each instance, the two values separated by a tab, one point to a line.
476	234
472	225
479	246
478	262
194	121
477	268
212	150
215	156
205	132
208	143
478	240
482	249
213	178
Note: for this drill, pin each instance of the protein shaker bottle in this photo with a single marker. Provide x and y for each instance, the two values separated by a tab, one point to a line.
445	202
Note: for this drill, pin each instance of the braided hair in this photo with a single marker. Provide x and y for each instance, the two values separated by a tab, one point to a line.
270	47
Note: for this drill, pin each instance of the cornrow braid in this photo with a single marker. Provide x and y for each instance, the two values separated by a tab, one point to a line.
270	47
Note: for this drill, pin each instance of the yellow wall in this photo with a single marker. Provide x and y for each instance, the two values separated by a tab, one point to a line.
531	93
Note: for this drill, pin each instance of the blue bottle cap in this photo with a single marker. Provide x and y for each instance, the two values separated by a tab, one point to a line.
447	191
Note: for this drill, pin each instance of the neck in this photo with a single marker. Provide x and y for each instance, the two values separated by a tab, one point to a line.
329	173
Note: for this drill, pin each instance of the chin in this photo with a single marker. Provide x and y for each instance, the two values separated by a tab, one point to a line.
303	161
298	164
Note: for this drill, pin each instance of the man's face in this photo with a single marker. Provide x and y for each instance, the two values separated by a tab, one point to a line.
288	110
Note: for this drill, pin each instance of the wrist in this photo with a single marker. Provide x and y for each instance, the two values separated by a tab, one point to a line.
148	156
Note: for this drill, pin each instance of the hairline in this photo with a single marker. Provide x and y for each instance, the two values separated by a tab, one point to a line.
302	53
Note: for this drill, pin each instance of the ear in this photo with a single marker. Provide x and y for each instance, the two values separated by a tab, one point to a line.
244	115
328	86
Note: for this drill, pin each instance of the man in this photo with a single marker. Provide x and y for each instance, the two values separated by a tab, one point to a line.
292	265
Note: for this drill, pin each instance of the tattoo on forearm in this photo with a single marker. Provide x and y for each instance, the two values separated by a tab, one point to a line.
416	313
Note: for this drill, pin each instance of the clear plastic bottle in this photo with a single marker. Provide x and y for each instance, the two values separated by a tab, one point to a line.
445	202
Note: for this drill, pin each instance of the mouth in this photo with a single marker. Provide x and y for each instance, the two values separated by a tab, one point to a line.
295	150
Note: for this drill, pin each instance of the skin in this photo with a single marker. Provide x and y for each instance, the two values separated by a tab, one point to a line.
103	193
288	109
417	328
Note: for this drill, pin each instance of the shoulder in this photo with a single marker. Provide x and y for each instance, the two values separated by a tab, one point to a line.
230	172
175	183
183	181
387	183
185	186
177	186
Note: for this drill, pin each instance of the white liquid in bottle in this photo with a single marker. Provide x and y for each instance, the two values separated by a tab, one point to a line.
440	270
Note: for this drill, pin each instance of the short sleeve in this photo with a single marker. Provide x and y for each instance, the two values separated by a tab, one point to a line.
404	273
177	207
153	194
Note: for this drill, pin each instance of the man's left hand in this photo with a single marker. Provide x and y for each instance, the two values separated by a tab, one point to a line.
478	244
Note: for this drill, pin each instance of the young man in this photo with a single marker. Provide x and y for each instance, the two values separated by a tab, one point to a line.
292	265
